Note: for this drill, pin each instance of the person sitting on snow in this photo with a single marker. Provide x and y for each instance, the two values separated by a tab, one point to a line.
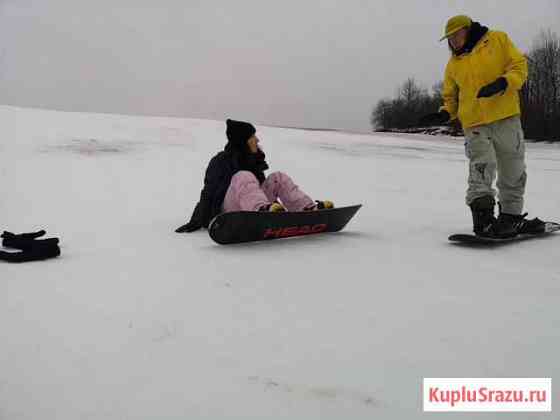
481	88
235	181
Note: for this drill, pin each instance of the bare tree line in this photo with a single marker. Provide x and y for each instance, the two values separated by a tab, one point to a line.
540	97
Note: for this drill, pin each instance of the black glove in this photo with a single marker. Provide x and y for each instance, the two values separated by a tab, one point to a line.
491	89
25	241
36	253
32	249
436	118
189	227
31	235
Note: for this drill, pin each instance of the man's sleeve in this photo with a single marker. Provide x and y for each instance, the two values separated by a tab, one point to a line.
516	64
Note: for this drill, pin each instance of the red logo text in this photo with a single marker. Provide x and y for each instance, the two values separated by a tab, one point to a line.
294	231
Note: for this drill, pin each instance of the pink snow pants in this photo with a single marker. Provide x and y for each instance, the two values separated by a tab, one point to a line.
245	193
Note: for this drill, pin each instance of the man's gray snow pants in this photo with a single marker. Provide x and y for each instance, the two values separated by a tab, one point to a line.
497	147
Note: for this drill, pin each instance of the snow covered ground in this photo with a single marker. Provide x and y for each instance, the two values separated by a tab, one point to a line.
135	321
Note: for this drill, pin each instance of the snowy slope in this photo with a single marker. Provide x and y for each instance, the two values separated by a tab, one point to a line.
135	321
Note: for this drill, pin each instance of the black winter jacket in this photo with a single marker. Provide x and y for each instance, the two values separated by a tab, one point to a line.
221	169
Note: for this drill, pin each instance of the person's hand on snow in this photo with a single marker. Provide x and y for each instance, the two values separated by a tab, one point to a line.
436	118
497	86
189	227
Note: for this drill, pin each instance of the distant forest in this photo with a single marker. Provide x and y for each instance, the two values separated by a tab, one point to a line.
540	98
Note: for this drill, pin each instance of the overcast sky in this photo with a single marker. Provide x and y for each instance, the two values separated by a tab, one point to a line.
306	63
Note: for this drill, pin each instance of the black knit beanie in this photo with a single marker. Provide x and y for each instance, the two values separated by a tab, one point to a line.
238	132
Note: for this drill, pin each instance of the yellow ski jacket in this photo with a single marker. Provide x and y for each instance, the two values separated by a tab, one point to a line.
492	57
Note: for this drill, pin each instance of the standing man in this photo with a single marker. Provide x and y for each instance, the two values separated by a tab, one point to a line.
481	88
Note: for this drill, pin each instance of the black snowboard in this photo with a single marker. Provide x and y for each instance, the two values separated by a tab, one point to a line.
549	228
250	226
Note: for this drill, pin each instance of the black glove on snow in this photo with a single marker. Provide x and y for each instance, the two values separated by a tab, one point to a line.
31	235
25	241
32	249
189	227
436	118
491	89
36	253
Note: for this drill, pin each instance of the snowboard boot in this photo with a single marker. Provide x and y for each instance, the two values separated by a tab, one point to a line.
506	226
274	207
522	225
533	226
482	210
320	205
